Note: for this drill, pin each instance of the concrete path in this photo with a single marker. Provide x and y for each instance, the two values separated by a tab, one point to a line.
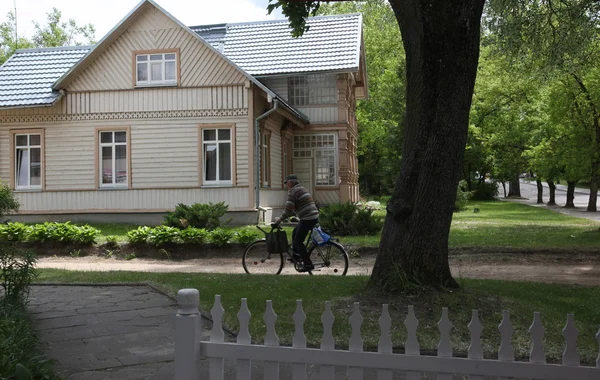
106	332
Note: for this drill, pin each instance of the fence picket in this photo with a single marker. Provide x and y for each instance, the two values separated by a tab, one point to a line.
299	341
327	341
356	341
506	352
216	366
412	343
444	348
271	370
475	349
243	369
570	355
598	339
385	341
536	330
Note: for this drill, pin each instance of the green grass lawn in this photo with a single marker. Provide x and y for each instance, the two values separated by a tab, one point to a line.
490	297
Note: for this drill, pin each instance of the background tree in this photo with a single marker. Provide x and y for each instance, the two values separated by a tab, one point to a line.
9	41
62	33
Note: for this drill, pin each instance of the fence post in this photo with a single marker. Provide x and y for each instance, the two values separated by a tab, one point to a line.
188	327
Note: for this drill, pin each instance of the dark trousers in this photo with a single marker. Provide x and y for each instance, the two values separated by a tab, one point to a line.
299	235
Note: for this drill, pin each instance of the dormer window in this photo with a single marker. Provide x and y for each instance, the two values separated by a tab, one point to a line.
159	68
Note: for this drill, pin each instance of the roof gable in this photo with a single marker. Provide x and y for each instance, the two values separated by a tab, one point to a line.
332	43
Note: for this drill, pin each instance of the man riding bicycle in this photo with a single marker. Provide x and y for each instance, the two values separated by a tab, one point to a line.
301	204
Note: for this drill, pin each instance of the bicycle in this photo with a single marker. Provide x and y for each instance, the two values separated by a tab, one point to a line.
328	257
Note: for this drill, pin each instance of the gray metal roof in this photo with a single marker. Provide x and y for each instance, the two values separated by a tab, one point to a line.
26	78
267	47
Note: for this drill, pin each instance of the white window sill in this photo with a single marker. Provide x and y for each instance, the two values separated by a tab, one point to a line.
113	188
212	185
174	84
29	190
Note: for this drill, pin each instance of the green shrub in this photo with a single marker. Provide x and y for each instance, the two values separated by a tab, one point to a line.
139	235
245	236
485	191
462	196
65	233
8	202
163	235
111	242
196	236
348	219
197	215
13	232
17	271
221	236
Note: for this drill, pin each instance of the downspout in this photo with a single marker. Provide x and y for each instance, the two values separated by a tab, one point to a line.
257	150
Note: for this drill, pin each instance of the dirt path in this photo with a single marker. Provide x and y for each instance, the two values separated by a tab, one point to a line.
581	270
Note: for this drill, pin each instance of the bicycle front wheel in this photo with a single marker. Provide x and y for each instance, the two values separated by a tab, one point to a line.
257	260
329	258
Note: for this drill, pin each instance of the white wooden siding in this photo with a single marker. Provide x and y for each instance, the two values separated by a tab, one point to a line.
276	163
69	156
113	70
273	198
164	155
129	200
241	152
4	156
320	115
327	197
278	85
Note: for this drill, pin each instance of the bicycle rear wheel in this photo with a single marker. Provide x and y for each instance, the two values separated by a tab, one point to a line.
329	258
256	259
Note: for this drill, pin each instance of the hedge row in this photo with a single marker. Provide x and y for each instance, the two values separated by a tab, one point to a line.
198	236
65	233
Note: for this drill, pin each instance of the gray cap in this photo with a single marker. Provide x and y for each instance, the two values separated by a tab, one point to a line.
291	177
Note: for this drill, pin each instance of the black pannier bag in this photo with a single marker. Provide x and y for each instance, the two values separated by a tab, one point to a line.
277	241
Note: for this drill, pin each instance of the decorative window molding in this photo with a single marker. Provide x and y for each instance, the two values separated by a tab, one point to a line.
217	165
314	89
154	68
286	158
113	157
323	147
27	159
265	158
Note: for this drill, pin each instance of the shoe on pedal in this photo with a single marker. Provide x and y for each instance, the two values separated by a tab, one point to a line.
296	257
306	268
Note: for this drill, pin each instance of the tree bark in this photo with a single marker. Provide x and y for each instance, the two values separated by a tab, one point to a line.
540	191
594	187
504	188
570	194
514	187
552	188
441	41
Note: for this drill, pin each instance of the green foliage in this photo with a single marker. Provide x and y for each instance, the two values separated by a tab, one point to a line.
9	41
221	236
462	196
16	274
111	242
65	233
163	235
296	12
196	236
198	215
348	219
485	191
139	235
13	232
60	33
130	256
8	202
245	236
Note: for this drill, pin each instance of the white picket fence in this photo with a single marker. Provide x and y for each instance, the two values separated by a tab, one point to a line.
189	349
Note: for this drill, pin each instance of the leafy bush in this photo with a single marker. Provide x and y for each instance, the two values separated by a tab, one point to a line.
139	235
111	242
62	233
348	219
13	232
485	191
163	235
191	235
245	236
221	236
8	202
197	215
462	196
16	274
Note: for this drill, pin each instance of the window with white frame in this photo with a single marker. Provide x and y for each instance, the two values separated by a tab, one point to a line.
156	69
28	161
218	156
113	159
314	89
266	158
323	148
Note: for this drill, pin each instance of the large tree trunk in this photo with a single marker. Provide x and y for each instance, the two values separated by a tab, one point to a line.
514	188
570	194
552	188
540	191
504	188
441	41
594	187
